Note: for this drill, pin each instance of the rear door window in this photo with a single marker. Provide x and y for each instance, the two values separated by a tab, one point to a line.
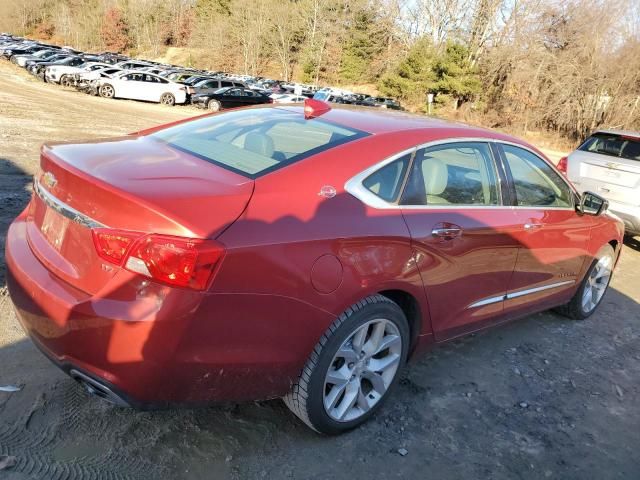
461	173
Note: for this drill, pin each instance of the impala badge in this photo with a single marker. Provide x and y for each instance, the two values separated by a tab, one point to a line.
612	165
49	179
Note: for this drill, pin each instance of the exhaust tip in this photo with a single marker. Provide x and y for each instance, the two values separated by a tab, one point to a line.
95	388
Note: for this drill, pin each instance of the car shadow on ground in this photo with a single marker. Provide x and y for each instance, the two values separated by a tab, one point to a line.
632	242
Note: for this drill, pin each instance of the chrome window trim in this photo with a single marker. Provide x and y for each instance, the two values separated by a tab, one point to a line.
355	187
64	209
519	293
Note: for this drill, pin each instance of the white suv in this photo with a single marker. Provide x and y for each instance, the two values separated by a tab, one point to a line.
608	163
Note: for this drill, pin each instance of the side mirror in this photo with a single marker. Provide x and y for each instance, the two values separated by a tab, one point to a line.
592	204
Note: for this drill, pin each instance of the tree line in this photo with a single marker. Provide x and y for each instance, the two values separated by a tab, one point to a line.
563	66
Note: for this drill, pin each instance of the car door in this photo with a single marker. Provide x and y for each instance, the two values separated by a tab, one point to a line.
461	232
154	87
552	237
253	98
232	98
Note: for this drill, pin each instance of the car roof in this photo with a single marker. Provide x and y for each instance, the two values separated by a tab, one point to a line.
624	133
379	121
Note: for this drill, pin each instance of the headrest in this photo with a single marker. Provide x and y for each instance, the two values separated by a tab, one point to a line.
435	175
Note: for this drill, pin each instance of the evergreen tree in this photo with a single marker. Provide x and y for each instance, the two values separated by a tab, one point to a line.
447	74
414	76
455	76
364	43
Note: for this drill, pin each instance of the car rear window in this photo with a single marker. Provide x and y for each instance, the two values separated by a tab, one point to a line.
254	142
614	145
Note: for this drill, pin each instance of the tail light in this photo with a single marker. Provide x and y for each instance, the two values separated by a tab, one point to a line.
562	165
178	261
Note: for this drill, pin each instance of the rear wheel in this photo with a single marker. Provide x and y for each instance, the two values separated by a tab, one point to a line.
66	81
352	368
593	286
214	105
107	91
167	99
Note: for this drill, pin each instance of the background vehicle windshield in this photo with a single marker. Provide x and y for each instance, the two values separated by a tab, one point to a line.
614	145
254	142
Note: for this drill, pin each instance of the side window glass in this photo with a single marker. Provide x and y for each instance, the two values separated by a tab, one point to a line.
460	173
387	182
535	182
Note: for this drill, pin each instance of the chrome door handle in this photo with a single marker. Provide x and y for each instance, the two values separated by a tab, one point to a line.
532	226
446	232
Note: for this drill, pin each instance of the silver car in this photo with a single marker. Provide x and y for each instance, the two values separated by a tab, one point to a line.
608	163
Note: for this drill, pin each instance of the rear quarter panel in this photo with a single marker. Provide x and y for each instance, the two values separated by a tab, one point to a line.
306	258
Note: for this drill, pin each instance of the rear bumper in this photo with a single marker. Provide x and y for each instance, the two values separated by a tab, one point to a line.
154	345
629	214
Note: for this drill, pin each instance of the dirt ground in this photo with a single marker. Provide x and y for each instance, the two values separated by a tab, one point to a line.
543	397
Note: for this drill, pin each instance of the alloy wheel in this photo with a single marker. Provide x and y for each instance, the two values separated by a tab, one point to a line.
167	99
362	370
597	283
106	91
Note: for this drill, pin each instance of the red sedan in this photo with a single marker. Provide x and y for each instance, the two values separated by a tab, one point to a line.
303	253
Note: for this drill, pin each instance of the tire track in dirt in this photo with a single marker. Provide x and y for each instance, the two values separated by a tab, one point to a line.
56	451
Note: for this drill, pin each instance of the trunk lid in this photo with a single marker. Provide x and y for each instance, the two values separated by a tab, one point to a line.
131	183
615	178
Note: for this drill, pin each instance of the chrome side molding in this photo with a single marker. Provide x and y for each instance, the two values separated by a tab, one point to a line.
519	293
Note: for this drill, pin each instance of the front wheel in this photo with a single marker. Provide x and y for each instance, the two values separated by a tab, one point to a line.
352	368
107	91
168	99
593	286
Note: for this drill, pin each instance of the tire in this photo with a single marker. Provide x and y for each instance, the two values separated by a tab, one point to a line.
214	105
107	91
66	81
595	283
332	407
168	99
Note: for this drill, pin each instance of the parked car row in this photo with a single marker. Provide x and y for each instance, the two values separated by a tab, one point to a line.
113	75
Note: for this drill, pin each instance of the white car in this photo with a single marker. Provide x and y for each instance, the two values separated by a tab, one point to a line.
96	73
608	163
142	86
287	98
62	73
